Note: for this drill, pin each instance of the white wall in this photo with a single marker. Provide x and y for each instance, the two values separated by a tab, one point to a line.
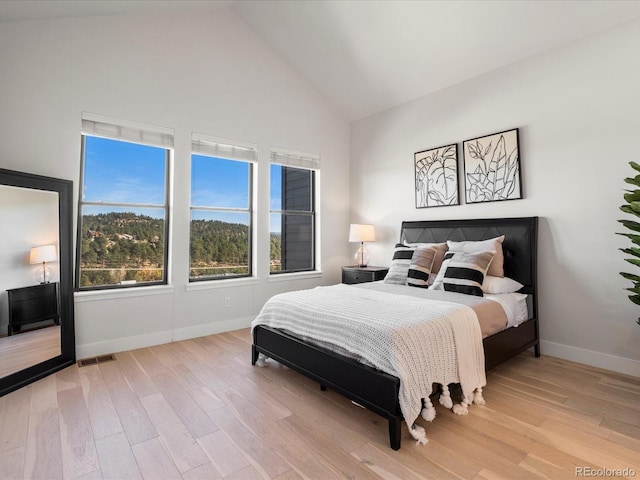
577	109
29	218
205	73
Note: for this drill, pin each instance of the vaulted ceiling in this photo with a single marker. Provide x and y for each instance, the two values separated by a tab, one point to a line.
367	56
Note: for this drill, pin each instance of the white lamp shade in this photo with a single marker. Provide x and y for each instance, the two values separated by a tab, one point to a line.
361	233
46	253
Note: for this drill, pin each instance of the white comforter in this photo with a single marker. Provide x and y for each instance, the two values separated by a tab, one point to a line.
419	341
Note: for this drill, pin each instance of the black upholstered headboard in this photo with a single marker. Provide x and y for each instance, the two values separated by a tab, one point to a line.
520	243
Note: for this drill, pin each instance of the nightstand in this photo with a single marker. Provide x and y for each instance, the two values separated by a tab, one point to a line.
354	274
32	304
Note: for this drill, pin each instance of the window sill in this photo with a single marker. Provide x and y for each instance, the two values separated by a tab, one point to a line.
284	277
96	295
213	284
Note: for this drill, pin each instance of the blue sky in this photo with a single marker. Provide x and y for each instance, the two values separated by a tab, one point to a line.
122	172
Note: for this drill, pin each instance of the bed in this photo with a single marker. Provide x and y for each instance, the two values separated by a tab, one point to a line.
379	391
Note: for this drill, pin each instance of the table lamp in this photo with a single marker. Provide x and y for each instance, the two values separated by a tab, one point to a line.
362	233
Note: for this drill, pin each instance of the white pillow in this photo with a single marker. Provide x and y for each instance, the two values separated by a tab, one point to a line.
497	285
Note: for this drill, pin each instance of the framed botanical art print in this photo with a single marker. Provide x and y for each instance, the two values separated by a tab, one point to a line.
437	177
492	167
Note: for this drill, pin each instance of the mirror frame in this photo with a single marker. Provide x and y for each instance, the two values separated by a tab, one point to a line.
64	188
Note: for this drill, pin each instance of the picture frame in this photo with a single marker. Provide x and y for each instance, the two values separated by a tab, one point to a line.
492	167
436	177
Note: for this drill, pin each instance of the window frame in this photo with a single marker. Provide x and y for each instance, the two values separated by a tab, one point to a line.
166	207
229	150
310	163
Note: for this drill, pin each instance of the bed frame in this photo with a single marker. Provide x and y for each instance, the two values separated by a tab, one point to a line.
378	391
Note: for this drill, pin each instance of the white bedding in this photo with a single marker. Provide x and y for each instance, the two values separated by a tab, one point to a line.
419	341
514	306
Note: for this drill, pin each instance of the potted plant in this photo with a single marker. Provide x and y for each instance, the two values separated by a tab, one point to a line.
632	207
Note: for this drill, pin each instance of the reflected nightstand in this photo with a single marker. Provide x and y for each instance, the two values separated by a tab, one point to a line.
33	304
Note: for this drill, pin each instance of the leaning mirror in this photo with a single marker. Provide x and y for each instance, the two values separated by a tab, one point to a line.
36	297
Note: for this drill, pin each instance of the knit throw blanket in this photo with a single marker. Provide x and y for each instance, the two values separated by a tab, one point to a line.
419	341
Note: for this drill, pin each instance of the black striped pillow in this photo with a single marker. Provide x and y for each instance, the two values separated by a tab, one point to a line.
496	269
399	268
420	268
464	272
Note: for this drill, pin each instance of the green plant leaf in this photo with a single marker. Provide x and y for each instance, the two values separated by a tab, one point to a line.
628	209
631	236
633	261
635	166
631	225
631	276
632	196
634	238
635	299
634	251
633	180
634	207
635	290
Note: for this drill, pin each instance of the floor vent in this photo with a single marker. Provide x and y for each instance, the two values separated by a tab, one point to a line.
95	360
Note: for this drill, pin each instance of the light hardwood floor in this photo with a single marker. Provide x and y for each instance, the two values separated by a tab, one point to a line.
198	409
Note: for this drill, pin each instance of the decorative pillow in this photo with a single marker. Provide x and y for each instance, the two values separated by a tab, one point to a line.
399	268
497	285
420	267
496	269
441	249
463	272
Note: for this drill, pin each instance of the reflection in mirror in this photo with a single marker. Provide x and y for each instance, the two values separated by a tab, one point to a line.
29	278
36	319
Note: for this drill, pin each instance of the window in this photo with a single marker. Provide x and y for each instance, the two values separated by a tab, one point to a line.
123	210
221	209
293	212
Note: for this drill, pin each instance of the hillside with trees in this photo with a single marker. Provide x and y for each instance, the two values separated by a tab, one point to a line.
218	248
126	247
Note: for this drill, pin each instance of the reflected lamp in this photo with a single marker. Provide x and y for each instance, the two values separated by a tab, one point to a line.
43	254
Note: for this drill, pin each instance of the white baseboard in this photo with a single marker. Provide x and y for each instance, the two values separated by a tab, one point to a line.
624	365
211	328
627	366
122	344
158	338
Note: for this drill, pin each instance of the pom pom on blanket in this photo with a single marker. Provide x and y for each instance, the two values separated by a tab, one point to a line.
461	408
418	434
428	411
261	359
478	399
445	397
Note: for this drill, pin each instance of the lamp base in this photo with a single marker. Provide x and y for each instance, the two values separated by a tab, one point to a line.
362	256
44	275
